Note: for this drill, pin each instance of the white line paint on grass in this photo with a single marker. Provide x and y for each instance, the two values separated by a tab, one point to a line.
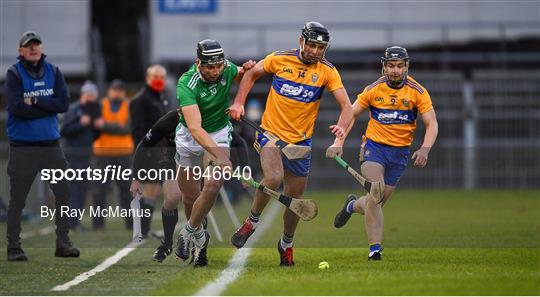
239	259
101	267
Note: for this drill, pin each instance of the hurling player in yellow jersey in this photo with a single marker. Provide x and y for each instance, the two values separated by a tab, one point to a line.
299	79
394	101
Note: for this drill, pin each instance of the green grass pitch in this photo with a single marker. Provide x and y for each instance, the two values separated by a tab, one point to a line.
436	243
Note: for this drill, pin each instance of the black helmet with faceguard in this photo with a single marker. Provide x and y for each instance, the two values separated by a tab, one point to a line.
395	53
210	54
210	51
317	33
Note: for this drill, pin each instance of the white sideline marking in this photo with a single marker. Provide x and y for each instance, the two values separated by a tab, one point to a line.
43	231
107	263
101	267
239	259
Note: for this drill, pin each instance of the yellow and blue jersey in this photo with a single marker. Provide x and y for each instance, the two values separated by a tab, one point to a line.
393	112
295	95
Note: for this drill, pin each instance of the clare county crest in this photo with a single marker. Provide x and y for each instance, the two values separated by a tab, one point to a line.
314	77
405	102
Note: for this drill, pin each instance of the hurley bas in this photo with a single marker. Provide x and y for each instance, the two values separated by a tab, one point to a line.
95	212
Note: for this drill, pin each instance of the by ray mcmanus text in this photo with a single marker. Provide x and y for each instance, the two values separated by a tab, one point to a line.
94	212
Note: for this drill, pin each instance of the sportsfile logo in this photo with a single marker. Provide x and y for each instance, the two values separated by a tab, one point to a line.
118	173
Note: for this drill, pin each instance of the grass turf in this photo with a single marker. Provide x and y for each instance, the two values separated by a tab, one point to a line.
436	243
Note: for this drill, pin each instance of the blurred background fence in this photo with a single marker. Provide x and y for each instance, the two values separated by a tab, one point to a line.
479	61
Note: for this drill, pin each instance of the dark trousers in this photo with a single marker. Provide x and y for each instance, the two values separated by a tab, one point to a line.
100	189
78	188
25	162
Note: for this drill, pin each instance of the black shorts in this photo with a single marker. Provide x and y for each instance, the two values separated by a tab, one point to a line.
160	162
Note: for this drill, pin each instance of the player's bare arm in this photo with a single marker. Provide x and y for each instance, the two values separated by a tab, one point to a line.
420	157
346	115
192	116
249	78
243	69
336	149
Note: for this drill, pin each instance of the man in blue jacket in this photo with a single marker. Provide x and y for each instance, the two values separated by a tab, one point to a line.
78	133
36	92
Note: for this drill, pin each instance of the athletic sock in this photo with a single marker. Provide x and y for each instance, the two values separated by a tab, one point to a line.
146	221
199	236
350	207
190	229
254	218
286	241
170	218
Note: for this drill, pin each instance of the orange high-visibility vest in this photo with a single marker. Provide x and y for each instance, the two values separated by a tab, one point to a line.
112	145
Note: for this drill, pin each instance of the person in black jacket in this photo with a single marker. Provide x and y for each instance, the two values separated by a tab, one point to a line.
36	93
79	133
162	135
146	108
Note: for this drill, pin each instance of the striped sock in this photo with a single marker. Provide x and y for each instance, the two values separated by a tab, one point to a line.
190	229
286	241
254	218
350	207
199	233
200	237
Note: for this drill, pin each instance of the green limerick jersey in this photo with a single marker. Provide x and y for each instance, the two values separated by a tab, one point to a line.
212	98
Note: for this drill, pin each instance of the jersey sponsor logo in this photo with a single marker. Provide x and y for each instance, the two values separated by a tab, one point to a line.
379	99
288	70
39	84
39	93
389	116
289	90
296	91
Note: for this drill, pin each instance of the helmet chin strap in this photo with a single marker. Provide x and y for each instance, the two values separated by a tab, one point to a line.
396	83
302	52
205	79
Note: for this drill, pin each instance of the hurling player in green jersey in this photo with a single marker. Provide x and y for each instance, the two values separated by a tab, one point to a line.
204	133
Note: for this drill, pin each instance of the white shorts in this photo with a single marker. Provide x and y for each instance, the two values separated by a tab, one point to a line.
189	152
